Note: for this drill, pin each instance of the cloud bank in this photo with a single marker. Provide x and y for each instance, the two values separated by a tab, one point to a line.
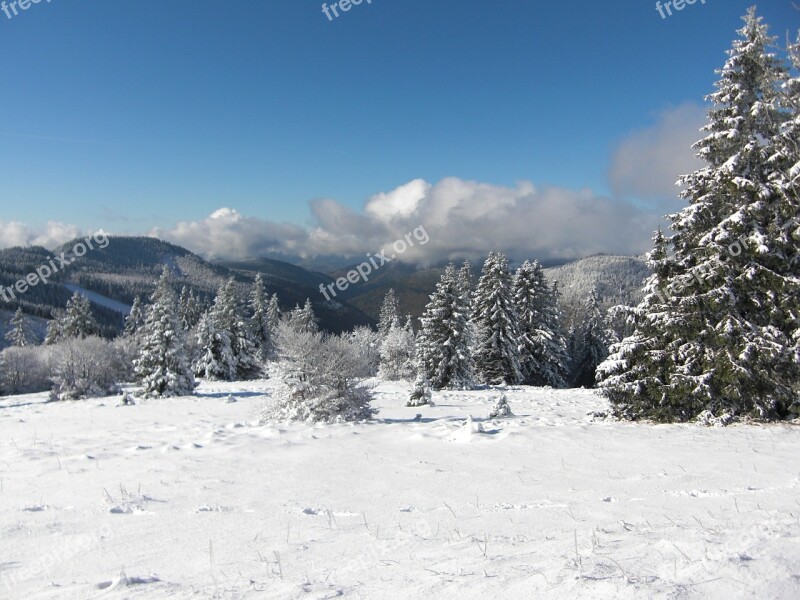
14	233
463	218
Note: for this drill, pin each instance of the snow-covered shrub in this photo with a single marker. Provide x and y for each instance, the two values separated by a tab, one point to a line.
421	394
365	345
397	354
501	409
319	379
83	368
24	370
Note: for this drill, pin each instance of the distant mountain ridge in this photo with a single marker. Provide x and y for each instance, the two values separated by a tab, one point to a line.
129	266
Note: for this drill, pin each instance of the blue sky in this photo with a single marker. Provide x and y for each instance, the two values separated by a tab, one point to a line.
135	115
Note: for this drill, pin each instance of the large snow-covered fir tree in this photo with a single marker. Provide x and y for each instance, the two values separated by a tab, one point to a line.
544	358
718	333
443	346
19	333
595	339
215	359
228	318
162	365
497	337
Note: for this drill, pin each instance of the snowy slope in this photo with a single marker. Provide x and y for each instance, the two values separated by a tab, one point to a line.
191	498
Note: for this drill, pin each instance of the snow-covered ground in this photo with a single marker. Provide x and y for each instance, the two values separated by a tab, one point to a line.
191	498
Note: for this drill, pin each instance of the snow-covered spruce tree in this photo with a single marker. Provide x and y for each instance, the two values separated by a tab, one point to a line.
544	357
641	361
75	322
19	333
162	365
397	354
390	313
273	316
303	319
594	341
135	319
727	338
227	316
260	322
215	359
318	379
189	309
497	342
444	352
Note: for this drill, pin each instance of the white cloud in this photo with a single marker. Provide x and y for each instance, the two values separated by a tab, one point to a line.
14	233
648	162
462	218
227	233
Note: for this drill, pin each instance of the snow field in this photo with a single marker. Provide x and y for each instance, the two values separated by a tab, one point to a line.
193	498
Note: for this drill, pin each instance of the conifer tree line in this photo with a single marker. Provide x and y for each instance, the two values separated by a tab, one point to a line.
717	334
506	329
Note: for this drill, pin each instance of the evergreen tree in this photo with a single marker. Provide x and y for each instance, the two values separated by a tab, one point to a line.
135	319
261	326
544	358
19	333
274	318
216	360
189	309
228	318
303	319
594	342
162	365
54	333
721	335
444	351
390	314
74	322
497	351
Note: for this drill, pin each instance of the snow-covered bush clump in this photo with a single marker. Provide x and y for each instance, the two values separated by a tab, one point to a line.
319	379
83	368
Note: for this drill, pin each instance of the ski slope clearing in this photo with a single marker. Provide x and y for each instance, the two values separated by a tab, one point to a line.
193	498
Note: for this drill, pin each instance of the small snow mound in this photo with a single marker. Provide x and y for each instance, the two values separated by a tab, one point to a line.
231	399
213	508
467	431
125	581
126	400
